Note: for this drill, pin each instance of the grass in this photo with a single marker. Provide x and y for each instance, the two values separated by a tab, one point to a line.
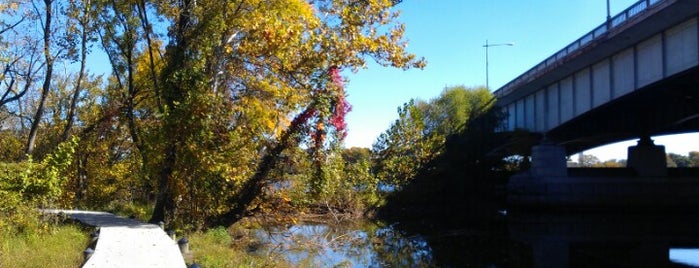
62	246
216	248
139	210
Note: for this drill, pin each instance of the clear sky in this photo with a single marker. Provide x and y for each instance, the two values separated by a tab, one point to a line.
450	34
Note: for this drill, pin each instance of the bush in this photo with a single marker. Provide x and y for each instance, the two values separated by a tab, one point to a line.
17	216
17	212
28	185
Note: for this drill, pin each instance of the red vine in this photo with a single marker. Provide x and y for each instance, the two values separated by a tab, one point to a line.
342	107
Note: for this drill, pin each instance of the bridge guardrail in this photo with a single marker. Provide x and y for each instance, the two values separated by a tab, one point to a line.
554	60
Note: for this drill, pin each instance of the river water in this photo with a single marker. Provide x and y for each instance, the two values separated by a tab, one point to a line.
505	240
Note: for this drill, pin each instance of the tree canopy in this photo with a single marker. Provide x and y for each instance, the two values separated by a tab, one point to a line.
205	98
419	134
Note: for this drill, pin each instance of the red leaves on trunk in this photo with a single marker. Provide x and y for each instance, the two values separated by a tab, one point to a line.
342	107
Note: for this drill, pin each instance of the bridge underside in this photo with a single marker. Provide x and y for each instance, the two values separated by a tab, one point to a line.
667	107
637	80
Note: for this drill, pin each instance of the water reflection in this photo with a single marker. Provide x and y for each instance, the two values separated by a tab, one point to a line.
608	239
362	244
685	256
513	240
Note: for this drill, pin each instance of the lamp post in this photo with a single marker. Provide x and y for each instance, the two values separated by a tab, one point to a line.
609	17
486	46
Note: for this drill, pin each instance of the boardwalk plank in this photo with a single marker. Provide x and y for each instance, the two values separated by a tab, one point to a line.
127	243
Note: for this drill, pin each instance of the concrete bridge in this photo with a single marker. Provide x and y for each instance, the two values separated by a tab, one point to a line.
634	76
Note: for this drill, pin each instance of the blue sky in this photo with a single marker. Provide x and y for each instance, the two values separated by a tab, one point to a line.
450	34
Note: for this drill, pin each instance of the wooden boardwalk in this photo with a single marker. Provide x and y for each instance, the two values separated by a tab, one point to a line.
125	242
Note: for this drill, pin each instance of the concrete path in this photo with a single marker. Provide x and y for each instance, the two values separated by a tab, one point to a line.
125	242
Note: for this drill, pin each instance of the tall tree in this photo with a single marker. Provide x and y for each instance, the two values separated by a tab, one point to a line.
47	36
403	149
81	27
421	130
120	38
256	78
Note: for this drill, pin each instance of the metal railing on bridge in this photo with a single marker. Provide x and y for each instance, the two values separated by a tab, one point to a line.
617	21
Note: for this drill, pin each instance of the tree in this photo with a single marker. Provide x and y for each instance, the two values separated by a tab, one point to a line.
612	163
421	130
49	59
694	158
356	154
670	162
18	55
247	80
81	28
680	161
587	160
448	113
204	105
21	58
403	149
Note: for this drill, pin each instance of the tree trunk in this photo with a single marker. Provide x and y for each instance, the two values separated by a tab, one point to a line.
31	143
78	83
253	187
165	203
147	29
172	92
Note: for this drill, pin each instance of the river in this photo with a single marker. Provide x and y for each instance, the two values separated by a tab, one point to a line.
505	240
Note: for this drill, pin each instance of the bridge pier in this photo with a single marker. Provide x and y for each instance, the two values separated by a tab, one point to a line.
548	160
647	159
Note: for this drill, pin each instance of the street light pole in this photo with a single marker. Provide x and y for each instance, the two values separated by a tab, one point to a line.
487	67
609	17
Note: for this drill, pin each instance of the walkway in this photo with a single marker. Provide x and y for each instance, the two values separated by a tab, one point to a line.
125	242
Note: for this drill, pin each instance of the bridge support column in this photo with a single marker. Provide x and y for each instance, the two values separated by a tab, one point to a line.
548	160
647	158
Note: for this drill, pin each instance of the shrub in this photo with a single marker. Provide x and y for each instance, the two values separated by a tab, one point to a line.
28	185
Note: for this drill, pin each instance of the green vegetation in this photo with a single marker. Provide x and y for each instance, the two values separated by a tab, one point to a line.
27	186
26	238
58	246
683	161
216	248
450	137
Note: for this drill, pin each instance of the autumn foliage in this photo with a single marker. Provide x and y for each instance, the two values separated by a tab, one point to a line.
206	102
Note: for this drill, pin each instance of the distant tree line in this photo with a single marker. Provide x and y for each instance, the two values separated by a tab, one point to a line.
672	159
689	160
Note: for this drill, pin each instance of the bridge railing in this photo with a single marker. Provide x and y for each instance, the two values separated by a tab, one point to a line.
617	21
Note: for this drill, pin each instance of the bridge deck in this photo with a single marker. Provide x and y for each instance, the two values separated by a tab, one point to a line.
127	243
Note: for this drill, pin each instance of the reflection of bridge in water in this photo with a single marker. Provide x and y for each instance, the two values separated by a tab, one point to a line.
634	76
